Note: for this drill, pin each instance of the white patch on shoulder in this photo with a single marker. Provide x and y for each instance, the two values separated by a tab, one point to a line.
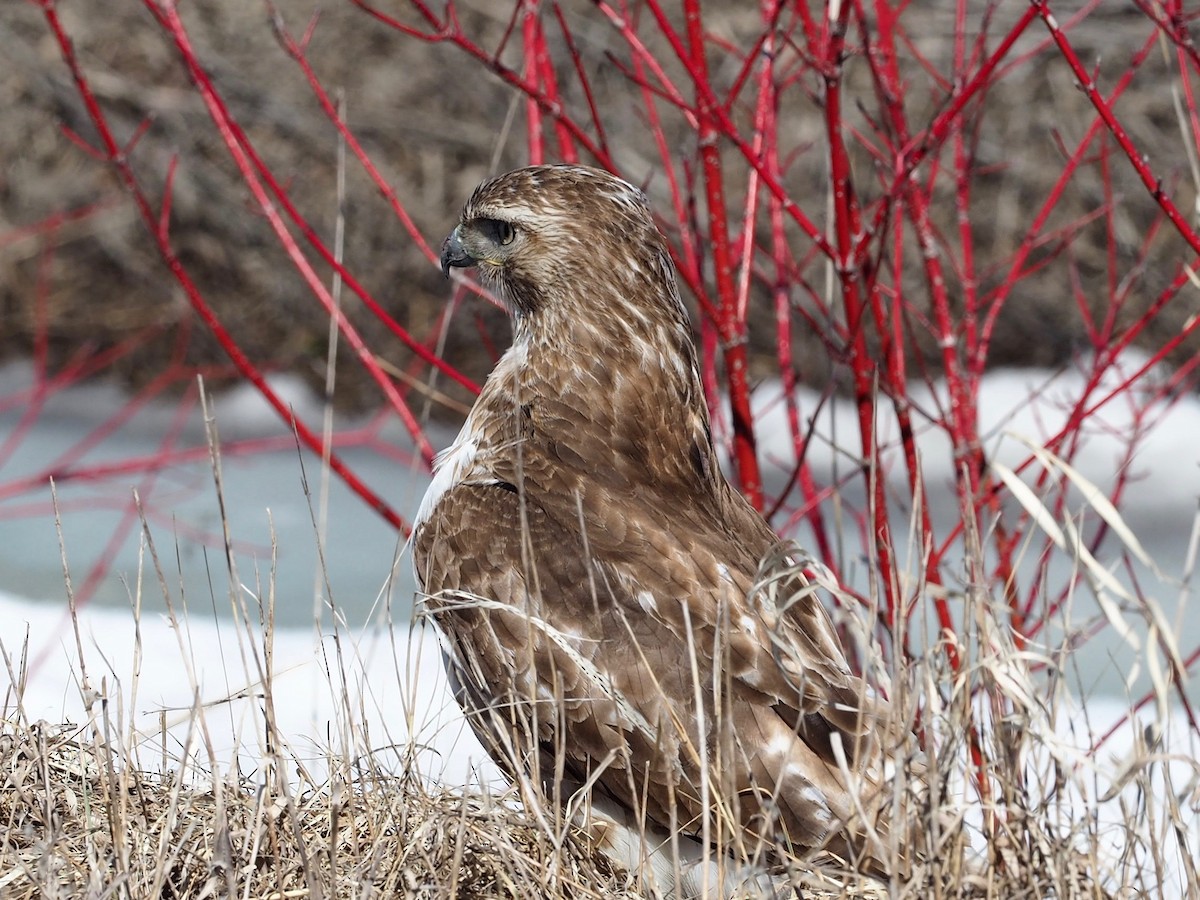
647	602
517	355
449	467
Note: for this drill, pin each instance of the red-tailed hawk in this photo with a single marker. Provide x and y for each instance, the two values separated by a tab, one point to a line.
592	570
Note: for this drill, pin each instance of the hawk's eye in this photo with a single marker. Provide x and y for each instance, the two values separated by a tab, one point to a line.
500	232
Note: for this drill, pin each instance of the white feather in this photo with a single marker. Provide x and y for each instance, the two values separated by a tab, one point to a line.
647	602
449	467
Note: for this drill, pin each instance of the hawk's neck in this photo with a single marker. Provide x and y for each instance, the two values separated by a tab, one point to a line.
619	399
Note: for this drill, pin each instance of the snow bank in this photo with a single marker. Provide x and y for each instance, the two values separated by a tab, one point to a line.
396	697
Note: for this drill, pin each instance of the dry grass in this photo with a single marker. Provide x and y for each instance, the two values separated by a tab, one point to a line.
80	822
82	815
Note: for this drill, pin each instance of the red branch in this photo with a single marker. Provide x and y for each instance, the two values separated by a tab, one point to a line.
120	163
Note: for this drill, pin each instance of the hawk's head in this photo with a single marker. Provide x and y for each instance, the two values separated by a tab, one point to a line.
555	236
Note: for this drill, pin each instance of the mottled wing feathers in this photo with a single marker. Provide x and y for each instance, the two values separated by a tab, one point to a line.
543	645
634	620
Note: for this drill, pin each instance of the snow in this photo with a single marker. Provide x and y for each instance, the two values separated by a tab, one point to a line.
1016	405
156	671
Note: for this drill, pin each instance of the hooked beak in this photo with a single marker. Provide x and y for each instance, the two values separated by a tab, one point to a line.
454	254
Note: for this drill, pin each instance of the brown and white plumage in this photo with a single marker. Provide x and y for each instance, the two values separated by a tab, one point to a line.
592	570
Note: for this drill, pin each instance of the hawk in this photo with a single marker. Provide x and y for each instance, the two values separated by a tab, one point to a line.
593	572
